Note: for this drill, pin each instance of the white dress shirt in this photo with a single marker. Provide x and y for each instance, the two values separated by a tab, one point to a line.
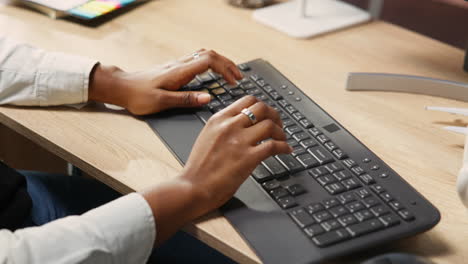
122	231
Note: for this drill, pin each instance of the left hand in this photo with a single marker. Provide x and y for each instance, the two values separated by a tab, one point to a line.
155	90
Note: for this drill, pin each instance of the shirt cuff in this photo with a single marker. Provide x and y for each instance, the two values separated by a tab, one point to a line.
127	226
63	79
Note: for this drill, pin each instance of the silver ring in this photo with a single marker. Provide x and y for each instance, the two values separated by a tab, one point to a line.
196	55
250	115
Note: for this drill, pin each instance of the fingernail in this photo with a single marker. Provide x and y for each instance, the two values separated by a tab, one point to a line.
203	98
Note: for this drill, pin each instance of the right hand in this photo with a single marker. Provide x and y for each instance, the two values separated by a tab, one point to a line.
227	150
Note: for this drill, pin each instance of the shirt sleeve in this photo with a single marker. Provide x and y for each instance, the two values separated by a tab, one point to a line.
122	231
33	77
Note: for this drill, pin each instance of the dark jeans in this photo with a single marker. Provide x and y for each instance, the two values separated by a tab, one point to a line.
55	196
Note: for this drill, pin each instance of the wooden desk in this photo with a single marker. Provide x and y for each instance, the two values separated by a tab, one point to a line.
123	152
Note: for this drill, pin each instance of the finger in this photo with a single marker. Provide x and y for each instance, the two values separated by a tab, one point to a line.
264	130
235	108
261	112
170	99
184	73
270	148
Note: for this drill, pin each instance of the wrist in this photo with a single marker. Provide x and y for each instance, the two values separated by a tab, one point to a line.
106	86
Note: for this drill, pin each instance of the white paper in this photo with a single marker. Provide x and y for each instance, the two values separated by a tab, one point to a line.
61	5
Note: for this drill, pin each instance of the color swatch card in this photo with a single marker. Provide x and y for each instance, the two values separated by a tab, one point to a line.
96	8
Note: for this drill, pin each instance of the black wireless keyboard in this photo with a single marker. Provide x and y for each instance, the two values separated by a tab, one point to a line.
332	196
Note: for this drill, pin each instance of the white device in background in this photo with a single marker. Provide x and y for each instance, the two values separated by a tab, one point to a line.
307	18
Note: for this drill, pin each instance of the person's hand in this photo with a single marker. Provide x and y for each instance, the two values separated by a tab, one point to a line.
225	153
155	90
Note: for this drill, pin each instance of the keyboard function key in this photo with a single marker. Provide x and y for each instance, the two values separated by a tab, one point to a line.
377	188
301	136
339	154
301	217
358	170
308	143
270	185
298	116
290	109
293	130
305	123
322	138
349	163
330	146
315	131
275	95
268	89
386	197
288	122
367	179
395	205
243	67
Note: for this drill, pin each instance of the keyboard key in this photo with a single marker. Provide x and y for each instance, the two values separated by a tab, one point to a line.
317	172
289	162
218	91
275	95
274	167
379	210
299	150
228	102
268	89
330	146
406	215
335	188
347	198
370	202
278	193
293	129
363	215
236	92
287	202
205	77
389	220
322	139
326	179
213	86
338	211
308	143
330	225
355	206
261	174
307	161
305	123
315	131
329	203
347	220
255	77
331	238
283	115
225	97
351	183
365	227
363	193
254	91
298	116
292	142
314	208
342	175
283	103
358	170
288	122
339	154
314	230
270	185
333	167
250	86
386	197
261	97
213	104
367	179
301	217
320	154
261	82
322	216
295	189
243	67
290	109
395	205
377	188
349	163
301	136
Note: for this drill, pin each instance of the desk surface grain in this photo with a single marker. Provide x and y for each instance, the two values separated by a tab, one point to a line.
123	152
